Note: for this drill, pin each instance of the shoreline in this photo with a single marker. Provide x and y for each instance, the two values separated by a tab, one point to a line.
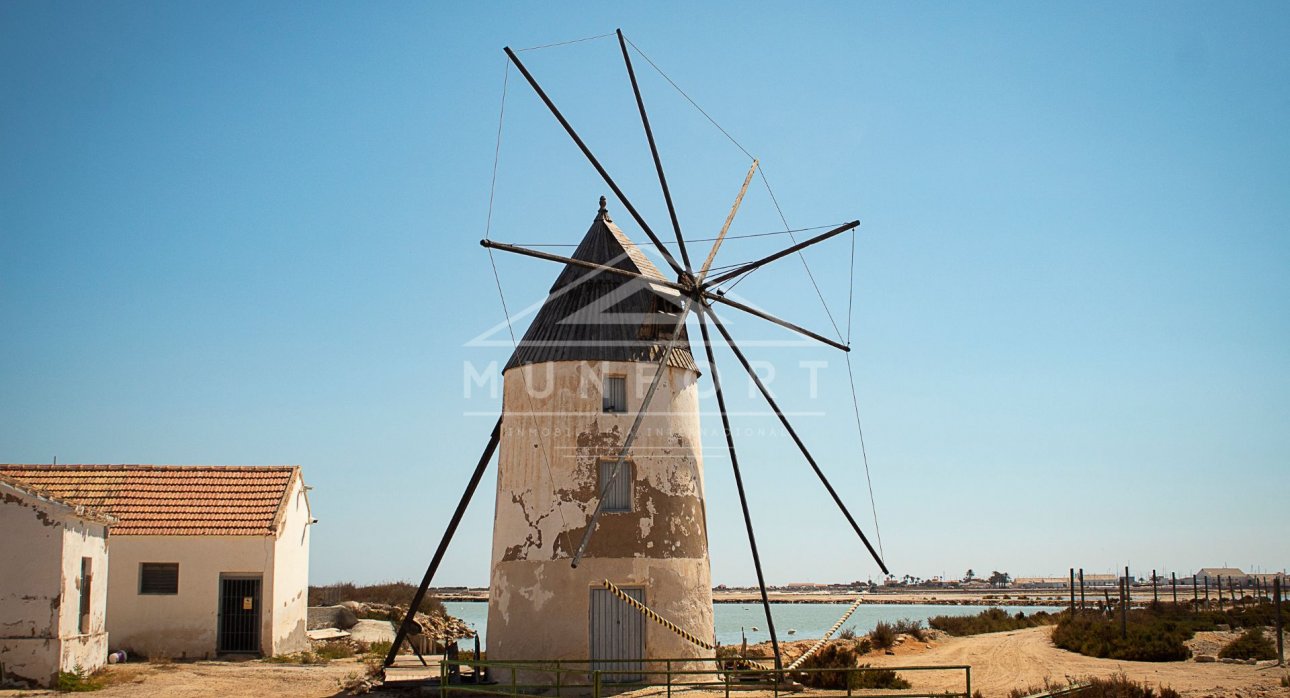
939	598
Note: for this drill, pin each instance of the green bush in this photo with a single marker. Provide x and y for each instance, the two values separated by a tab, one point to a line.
883	636
1253	644
991	620
1150	638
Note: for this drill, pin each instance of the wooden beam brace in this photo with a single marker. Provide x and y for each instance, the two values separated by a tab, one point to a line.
464	502
631	433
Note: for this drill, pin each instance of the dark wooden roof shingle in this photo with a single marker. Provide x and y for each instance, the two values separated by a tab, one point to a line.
592	315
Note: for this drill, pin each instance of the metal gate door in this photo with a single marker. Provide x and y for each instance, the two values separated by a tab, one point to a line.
239	614
617	635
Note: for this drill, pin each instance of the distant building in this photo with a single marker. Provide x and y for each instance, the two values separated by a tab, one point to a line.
1213	573
53	595
1042	582
205	560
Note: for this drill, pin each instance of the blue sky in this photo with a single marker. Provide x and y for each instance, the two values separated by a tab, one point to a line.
238	233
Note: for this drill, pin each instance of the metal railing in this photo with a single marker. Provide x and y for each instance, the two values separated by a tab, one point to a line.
579	678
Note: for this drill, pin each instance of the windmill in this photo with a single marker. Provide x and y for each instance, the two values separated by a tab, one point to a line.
611	309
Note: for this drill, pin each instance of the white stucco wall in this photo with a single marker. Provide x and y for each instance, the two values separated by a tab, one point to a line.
41	549
183	625
291	575
538	604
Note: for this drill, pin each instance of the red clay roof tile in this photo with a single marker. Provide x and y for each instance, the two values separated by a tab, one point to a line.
170	500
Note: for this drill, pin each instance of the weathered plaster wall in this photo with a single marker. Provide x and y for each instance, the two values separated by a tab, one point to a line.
42	548
553	437
183	625
87	650
291	576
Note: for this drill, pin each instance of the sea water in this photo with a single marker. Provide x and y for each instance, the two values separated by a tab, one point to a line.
808	621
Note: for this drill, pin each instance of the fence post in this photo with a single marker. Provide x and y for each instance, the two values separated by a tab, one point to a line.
1173	583
1081	589
595	683
1072	592
443	679
1155	597
513	682
967	672
728	672
1206	591
1276	600
1124	608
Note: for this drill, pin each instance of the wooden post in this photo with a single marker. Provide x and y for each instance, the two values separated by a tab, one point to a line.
1072	592
1173	583
1206	591
1220	592
1081	588
1155	597
1276	603
1124	607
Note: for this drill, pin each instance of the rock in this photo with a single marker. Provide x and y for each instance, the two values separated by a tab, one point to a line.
372	631
1229	660
327	634
331	617
358	608
1223	627
889	652
1205	658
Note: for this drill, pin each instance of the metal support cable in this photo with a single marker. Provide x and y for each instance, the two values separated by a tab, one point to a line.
501	295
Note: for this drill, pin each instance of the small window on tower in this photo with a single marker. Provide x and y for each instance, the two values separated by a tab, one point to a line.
618	494
614	396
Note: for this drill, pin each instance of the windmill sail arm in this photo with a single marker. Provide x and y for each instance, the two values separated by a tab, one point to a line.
595	163
658	284
739	481
782	323
707	263
781	254
765	393
653	149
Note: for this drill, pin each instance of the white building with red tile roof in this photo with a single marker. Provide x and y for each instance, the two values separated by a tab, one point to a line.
206	560
53	595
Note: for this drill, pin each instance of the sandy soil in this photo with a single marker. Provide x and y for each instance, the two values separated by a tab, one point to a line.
225	679
1003	661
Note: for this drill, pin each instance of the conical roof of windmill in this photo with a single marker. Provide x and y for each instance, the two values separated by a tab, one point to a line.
593	315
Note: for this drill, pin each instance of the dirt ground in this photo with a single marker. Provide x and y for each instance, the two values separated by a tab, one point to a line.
224	679
1000	662
1021	658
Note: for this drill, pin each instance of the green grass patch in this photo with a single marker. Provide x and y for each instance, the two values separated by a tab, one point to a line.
991	620
78	680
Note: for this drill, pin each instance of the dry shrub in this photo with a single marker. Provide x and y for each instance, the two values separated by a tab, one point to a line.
1253	644
883	635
